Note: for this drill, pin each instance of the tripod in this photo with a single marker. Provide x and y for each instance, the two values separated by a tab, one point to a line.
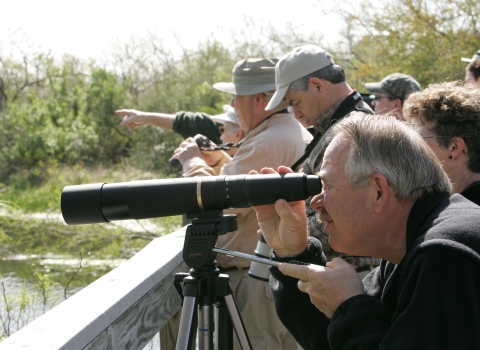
205	286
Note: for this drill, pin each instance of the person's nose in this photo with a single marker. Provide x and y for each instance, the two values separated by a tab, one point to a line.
317	202
232	102
298	114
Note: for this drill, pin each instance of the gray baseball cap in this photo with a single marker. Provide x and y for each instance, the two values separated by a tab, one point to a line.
475	57
296	64
228	116
397	84
251	76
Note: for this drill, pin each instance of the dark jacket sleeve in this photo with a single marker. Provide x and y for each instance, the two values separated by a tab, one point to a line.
189	124
430	311
304	321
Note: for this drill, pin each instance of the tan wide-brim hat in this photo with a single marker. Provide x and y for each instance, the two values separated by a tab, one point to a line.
251	76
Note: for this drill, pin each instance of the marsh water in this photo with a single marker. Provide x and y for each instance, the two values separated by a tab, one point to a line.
32	284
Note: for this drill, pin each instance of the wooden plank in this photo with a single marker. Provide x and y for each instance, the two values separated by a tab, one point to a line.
121	310
136	327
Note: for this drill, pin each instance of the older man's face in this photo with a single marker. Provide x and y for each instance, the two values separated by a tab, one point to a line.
244	113
343	209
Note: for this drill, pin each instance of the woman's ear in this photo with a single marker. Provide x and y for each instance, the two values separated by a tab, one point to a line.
457	147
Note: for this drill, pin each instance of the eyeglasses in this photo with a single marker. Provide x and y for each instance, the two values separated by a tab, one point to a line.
431	137
378	97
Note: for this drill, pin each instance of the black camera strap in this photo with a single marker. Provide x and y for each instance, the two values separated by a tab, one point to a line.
347	106
223	147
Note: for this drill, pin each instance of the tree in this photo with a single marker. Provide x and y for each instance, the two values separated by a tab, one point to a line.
424	38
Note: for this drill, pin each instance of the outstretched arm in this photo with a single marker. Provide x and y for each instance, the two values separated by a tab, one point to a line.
133	118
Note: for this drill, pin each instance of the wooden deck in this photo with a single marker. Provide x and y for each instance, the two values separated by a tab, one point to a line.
123	309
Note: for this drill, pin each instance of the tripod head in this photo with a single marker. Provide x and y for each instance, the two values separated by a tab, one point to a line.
205	286
202	234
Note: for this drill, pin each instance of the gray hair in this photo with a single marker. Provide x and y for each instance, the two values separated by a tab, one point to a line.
382	144
333	73
268	95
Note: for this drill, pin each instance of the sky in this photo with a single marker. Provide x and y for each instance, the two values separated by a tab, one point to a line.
88	29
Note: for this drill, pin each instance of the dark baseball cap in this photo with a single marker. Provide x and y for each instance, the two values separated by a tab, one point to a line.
397	84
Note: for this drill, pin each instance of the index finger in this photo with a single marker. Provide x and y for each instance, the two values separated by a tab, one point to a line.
301	272
282	169
122	111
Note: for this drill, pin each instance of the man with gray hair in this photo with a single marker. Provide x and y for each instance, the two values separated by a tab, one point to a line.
391	93
315	87
273	138
385	194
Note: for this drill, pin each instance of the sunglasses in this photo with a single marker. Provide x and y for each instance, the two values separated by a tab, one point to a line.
378	97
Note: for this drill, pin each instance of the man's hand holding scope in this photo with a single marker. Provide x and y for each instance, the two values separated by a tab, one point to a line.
284	227
283	224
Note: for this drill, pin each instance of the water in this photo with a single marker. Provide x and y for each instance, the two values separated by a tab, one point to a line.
32	285
18	276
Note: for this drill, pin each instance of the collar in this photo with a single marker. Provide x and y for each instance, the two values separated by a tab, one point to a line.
421	210
262	125
472	192
338	110
325	119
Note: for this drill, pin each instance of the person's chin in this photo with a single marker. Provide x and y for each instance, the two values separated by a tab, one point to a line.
305	121
328	226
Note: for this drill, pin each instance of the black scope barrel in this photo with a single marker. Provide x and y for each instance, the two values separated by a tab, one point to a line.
103	202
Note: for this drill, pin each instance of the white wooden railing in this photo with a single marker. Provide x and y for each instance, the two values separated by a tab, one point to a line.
123	309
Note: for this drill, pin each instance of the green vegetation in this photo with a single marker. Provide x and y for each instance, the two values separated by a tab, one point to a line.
24	306
46	232
423	38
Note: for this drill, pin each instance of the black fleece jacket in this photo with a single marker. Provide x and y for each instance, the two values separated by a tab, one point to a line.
431	300
472	192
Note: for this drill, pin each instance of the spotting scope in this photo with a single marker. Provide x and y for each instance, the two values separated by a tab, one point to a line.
103	202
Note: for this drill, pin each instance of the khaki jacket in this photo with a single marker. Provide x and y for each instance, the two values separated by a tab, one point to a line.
279	140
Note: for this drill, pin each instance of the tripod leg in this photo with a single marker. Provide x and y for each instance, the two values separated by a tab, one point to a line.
224	334
237	322
188	325
205	327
